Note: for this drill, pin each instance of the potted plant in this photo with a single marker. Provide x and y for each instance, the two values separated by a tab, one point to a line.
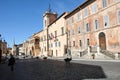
93	56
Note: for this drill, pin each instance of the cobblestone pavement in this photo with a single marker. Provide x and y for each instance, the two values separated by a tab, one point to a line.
37	69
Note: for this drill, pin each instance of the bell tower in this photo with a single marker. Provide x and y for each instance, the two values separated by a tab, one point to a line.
49	17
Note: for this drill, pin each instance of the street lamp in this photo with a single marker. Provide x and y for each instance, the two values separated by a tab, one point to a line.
68	54
69	44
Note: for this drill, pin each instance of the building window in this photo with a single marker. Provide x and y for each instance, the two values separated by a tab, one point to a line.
44	37
55	44
106	21
70	44
56	53
62	30
59	44
45	48
41	38
55	33
37	41
69	33
45	23
73	32
86	12
49	36
87	27
78	29
79	16
80	43
119	17
94	8
51	45
72	19
88	42
96	24
68	21
104	3
73	43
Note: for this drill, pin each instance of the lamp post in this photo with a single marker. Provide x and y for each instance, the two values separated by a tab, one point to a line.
68	43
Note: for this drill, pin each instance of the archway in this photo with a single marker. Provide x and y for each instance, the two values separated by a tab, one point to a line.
33	51
102	41
30	53
37	47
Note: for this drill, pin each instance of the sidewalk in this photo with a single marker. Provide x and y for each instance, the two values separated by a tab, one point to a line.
84	59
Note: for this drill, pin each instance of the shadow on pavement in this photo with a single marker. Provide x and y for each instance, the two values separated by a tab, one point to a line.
51	70
74	71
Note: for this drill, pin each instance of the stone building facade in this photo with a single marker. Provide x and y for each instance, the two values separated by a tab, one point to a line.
38	42
92	27
95	24
57	37
3	48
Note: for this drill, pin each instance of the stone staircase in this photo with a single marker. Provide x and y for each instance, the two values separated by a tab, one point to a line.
102	55
108	53
99	56
84	52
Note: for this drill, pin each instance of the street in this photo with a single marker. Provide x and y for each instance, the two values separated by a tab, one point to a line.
37	69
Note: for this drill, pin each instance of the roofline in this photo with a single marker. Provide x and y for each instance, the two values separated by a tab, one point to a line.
83	5
49	24
57	18
35	33
38	32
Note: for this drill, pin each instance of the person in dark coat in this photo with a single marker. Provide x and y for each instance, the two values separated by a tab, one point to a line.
11	62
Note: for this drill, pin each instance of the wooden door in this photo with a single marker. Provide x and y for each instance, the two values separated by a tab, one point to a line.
102	41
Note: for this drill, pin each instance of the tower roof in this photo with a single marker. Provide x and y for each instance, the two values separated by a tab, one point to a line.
49	9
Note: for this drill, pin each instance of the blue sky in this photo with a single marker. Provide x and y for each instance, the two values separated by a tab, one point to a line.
19	19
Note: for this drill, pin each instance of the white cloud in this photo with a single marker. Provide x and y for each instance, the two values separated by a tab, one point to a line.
59	6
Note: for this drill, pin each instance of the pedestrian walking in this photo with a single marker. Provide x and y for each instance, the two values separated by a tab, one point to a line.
11	62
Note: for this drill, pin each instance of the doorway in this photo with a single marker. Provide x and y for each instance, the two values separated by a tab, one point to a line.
102	41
